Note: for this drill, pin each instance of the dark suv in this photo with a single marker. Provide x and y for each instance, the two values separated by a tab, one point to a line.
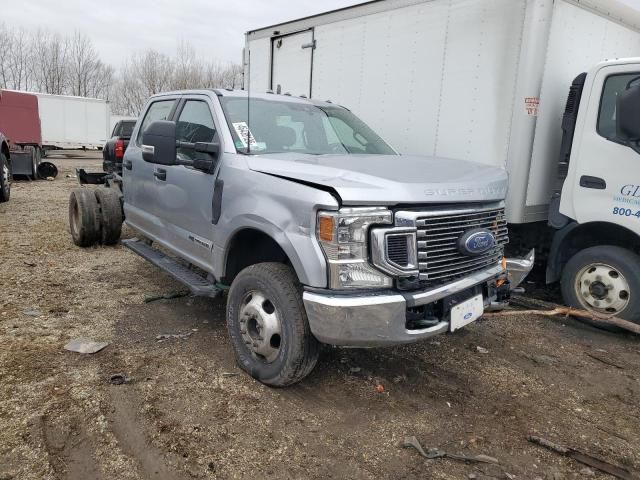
115	147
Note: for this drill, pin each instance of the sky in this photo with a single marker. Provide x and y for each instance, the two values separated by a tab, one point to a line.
214	27
117	27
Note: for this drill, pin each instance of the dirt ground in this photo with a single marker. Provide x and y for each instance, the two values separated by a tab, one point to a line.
189	412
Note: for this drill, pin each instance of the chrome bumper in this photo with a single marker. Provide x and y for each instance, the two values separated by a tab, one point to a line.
519	268
372	320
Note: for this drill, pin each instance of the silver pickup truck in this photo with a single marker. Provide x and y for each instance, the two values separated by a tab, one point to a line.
323	233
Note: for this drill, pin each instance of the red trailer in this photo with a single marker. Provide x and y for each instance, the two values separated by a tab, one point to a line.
20	123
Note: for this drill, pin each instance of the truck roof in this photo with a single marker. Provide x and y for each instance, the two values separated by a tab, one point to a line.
221	92
616	10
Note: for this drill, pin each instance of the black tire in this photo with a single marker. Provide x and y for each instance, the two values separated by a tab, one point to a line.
110	215
5	179
298	349
84	217
624	270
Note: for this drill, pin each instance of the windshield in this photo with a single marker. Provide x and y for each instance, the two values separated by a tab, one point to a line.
279	126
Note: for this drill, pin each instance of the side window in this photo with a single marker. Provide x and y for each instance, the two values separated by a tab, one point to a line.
613	86
195	124
159	110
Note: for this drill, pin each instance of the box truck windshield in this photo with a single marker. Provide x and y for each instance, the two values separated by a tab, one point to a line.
276	127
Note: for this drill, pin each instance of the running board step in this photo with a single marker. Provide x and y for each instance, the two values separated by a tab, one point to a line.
198	285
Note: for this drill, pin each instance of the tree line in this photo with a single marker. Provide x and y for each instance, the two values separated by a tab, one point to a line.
47	62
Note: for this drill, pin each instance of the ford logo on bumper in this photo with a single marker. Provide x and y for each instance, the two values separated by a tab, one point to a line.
476	242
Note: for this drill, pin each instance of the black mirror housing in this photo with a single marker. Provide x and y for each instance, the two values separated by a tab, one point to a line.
628	115
159	143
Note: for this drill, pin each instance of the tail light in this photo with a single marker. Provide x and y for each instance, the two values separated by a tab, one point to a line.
119	149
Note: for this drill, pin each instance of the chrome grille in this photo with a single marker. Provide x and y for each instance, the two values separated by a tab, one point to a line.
398	250
438	233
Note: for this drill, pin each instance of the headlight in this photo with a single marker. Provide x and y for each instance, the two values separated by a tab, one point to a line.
343	236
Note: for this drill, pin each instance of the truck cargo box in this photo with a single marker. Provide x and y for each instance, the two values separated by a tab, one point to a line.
478	80
19	120
73	122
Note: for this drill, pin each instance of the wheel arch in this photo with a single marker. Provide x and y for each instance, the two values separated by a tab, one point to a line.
575	237
249	246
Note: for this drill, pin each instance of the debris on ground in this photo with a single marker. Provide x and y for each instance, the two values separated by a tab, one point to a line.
606	321
433	453
584	458
168	336
606	361
85	345
165	296
482	349
380	388
119	379
34	312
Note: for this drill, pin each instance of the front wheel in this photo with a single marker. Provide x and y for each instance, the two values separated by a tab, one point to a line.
604	280
268	325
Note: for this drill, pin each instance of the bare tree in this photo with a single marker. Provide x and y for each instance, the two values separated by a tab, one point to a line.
18	59
51	53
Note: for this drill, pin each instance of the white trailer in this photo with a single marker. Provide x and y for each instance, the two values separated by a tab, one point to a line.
72	123
487	81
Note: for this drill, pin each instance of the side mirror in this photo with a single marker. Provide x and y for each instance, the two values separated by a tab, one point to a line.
159	143
628	116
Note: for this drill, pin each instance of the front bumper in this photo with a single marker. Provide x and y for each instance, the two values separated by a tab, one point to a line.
381	319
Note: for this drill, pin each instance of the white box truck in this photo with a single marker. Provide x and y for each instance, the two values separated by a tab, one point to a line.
73	123
487	81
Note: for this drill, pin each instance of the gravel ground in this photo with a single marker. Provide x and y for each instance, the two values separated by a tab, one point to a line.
188	412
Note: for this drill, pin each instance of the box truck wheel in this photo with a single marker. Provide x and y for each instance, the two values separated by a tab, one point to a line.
268	325
84	217
5	179
110	215
604	280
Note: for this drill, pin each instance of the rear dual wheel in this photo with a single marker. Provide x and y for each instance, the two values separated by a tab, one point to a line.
95	216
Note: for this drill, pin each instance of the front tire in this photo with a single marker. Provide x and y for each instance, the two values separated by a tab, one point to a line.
5	179
604	280
268	325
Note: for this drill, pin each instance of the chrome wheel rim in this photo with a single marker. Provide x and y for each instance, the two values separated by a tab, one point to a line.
602	288
260	326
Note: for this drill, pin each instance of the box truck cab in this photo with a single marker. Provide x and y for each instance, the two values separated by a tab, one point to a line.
596	213
486	81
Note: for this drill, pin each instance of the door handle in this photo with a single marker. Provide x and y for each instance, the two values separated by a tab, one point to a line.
128	164
596	183
160	174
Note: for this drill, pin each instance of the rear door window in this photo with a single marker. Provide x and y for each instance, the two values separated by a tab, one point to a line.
159	110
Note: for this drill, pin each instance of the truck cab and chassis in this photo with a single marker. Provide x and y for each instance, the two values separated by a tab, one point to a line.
321	232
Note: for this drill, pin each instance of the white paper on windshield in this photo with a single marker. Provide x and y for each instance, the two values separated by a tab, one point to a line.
245	135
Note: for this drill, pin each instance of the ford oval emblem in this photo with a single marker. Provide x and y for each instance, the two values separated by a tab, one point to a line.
468	316
476	242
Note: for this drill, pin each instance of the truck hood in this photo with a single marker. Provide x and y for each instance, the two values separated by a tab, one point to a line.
388	179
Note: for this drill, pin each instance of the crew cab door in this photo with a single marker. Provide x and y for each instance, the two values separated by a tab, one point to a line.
605	172
186	194
139	184
291	63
